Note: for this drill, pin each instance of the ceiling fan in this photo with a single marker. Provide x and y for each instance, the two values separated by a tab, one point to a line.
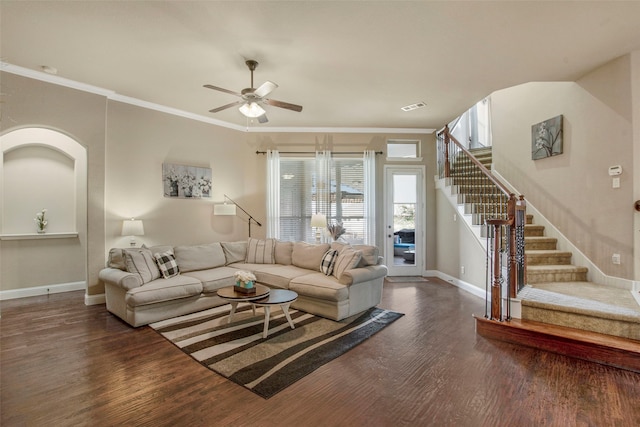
252	98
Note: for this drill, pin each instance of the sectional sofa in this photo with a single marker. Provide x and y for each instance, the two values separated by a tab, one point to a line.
145	285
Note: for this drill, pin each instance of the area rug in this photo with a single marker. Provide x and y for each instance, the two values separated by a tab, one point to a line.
266	366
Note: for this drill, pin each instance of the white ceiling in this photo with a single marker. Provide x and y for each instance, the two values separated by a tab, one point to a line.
351	64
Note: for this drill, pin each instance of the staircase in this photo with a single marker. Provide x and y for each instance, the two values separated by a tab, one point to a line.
558	292
561	310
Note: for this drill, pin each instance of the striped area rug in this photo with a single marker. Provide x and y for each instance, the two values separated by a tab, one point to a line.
238	352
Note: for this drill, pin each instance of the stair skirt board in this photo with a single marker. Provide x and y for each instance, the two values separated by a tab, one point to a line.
612	351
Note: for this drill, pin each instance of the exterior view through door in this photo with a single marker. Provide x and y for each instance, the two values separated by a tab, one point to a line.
404	219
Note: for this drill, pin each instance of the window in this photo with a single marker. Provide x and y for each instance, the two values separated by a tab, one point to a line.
302	193
403	149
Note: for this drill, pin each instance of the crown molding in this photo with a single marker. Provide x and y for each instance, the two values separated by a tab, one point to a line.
112	95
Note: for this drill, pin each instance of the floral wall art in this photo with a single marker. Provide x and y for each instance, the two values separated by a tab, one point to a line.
186	182
546	138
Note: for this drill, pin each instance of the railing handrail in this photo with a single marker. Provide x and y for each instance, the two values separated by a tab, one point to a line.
508	220
475	161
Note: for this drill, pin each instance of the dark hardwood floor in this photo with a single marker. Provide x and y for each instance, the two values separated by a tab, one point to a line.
66	364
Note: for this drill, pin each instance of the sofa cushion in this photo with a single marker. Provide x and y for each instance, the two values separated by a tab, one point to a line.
339	246
260	251
328	261
283	252
116	259
214	279
234	251
167	264
177	287
370	255
309	256
158	249
321	286
348	258
279	276
199	257
141	262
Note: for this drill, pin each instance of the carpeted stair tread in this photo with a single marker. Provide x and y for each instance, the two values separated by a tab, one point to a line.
593	291
541	298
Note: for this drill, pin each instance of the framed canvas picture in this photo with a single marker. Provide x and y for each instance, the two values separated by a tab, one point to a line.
546	138
186	182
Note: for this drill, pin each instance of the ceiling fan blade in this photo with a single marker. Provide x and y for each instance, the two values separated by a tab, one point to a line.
222	90
265	89
224	107
263	119
281	104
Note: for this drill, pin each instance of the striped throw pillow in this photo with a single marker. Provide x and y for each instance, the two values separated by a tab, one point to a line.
328	261
261	251
348	258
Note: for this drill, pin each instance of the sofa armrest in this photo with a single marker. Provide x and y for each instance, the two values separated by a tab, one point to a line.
363	274
122	279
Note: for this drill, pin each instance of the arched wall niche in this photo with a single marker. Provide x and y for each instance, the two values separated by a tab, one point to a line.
42	168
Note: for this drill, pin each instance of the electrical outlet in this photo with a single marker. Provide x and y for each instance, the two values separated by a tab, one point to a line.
616	182
455	217
615	258
462	269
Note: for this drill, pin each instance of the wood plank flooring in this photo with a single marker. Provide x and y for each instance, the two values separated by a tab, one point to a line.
65	364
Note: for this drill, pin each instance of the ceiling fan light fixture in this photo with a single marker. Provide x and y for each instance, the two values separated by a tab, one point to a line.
251	109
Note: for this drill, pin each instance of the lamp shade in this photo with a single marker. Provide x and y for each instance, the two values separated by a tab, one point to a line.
319	220
224	209
132	227
251	109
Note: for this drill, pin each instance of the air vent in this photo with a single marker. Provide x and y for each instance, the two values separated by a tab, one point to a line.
414	106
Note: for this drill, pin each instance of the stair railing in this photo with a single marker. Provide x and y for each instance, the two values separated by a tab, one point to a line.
493	206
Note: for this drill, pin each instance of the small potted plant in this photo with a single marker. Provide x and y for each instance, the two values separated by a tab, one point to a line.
41	222
335	230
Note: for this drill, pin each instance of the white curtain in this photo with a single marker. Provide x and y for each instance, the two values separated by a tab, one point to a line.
273	193
369	168
323	183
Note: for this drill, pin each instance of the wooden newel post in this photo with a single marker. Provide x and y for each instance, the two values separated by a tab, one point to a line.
496	280
446	151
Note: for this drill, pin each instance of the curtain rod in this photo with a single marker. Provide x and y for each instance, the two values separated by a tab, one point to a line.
310	152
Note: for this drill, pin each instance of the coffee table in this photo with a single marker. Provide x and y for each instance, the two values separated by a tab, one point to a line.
281	297
229	294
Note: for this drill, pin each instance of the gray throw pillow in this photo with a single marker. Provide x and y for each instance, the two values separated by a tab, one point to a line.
234	251
140	261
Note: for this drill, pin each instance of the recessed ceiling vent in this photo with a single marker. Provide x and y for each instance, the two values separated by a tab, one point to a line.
414	106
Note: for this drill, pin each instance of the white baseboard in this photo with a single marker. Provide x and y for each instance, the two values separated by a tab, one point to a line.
94	299
42	290
468	287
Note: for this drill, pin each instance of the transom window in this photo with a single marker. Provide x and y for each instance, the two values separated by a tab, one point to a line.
403	149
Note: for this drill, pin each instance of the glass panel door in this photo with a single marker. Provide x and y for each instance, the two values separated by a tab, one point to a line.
404	240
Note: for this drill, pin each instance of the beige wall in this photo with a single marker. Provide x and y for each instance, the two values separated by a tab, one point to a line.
635	114
457	247
140	140
80	115
573	190
126	147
